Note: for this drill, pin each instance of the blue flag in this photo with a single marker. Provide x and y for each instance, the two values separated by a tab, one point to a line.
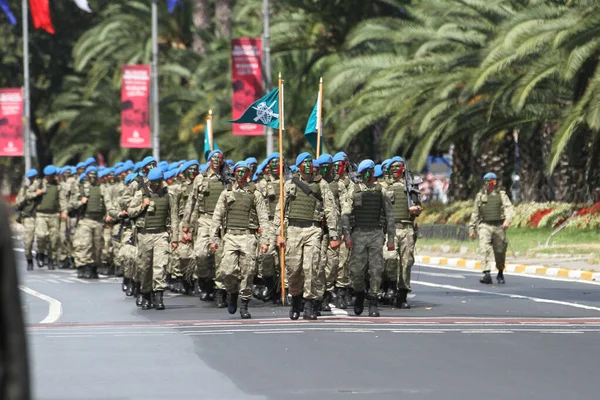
9	15
207	143
311	131
171	4
264	111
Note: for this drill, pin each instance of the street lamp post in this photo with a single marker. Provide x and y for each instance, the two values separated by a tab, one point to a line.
267	67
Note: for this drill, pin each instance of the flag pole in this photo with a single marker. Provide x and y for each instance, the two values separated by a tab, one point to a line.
27	142
154	73
319	115
210	131
281	202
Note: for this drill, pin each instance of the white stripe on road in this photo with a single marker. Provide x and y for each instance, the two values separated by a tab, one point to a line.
52	281
512	296
79	280
454	276
54	306
19	250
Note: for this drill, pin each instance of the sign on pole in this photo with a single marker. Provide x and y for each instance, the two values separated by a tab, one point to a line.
11	122
246	71
135	100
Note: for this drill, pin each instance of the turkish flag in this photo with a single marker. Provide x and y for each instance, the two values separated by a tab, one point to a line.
40	11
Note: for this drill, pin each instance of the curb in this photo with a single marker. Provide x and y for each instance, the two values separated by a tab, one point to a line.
538	270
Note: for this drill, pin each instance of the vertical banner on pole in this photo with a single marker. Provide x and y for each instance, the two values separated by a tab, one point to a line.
135	100
246	71
11	122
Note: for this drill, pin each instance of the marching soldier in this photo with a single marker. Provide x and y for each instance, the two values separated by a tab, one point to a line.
252	164
111	228
491	216
174	276
26	204
52	207
234	211
363	210
406	205
155	212
128	251
197	216
306	201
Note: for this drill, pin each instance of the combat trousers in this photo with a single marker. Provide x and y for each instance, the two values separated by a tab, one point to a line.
64	243
108	250
154	256
186	265
492	240
28	236
205	259
398	263
268	262
336	268
126	255
88	242
322	268
367	254
46	233
237	267
302	253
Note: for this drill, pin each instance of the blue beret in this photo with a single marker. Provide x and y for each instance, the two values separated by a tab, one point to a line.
31	173
240	164
50	170
315	163
170	174
137	166
251	160
293	168
82	177
397	159
173	165
378	171
80	165
203	167
101	173
301	157
119	170
118	164
490	175
129	178
155	175
341	154
272	157
147	161
164	167
255	177
89	162
128	165
181	162
229	162
109	171
90	169
339	157
189	164
212	153
325	159
365	164
261	167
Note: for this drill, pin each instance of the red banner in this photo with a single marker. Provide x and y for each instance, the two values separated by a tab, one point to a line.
135	103
11	123
246	71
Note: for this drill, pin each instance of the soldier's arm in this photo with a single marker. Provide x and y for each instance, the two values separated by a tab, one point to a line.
509	209
62	199
20	200
190	207
346	202
174	217
266	236
218	215
113	209
30	192
136	206
277	217
332	214
389	217
475	219
75	198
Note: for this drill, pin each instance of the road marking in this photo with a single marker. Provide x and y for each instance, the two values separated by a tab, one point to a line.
486	331
208	333
19	250
275	332
54	306
512	296
66	281
52	281
79	280
453	276
416	331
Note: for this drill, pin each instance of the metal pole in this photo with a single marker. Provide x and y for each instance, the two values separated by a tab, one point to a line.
27	142
154	75
267	68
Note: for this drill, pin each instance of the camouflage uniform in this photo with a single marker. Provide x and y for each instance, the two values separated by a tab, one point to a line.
173	269
27	204
268	262
186	266
127	253
111	229
489	212
363	209
47	220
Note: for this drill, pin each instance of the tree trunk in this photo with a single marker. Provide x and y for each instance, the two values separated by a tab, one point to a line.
223	12
462	184
201	19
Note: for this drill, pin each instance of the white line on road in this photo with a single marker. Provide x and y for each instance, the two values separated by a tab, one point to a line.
52	281
19	250
66	281
275	332
79	280
453	276
512	296
54	306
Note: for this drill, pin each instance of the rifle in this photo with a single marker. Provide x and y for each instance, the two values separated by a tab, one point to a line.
411	184
226	176
306	189
353	172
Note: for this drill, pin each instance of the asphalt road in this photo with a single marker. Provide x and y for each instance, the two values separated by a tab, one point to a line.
532	338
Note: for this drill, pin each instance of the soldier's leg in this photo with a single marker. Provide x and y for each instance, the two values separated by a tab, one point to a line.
63	244
28	236
247	269
205	260
485	246
53	231
98	243
342	280
106	258
145	257
320	278
116	246
406	250
42	235
293	260
375	257
161	248
82	248
499	244
391	270
311	254
358	262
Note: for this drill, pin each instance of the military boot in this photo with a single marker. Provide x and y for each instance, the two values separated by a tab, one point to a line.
80	272
341	299
206	289
309	312
326	300
391	293
146	301
51	264
487	278
196	289
135	291
178	286
359	303
257	291
221	298
71	262
500	276
268	288
401	300
296	307
244	310
232	302
373	309
40	259
130	287
125	285
158	300
87	271
29	265
63	264
317	304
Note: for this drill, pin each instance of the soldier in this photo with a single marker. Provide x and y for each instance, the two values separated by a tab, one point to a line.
197	218
52	207
234	212
491	216
155	210
252	164
406	206
118	190
26	204
127	251
174	277
90	201
307	200
111	228
363	209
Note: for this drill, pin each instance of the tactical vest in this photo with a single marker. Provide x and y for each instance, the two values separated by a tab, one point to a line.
238	212
400	206
29	207
50	203
273	187
211	195
303	206
368	214
335	189
186	189
491	209
158	219
95	206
